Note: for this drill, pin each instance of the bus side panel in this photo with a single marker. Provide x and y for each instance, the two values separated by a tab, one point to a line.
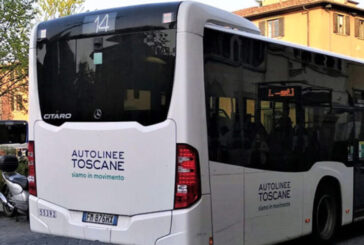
311	180
34	108
227	188
187	108
190	226
273	206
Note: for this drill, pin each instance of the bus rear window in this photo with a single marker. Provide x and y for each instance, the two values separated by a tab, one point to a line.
120	77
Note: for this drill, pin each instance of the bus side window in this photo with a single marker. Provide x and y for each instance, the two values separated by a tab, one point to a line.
330	133
297	136
224	130
344	130
279	121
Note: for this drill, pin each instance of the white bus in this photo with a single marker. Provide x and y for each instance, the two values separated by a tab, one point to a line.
178	123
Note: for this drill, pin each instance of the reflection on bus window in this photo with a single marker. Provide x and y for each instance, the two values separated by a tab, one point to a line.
283	125
137	100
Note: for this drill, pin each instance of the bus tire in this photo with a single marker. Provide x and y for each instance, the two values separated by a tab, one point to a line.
326	214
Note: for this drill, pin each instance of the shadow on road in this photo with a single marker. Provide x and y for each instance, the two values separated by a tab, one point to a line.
17	232
351	234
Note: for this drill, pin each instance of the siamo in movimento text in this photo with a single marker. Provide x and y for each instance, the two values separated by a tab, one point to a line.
98	160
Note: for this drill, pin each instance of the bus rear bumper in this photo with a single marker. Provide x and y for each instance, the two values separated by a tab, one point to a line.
138	229
178	227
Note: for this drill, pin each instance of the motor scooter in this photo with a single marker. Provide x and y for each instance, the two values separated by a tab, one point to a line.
14	195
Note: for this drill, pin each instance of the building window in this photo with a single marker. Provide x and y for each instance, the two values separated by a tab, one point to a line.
275	28
19	102
359	28
341	24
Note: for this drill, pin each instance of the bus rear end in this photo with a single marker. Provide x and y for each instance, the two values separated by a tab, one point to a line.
104	163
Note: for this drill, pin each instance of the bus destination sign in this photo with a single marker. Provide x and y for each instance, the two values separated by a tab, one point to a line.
286	92
97	24
279	93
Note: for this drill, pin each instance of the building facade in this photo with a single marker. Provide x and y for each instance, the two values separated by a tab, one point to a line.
13	98
331	25
14	106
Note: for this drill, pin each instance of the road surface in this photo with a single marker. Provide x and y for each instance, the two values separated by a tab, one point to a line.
16	232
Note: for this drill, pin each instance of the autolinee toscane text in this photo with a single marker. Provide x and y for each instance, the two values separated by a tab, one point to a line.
98	160
274	191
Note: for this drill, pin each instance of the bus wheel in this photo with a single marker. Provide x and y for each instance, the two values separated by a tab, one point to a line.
326	215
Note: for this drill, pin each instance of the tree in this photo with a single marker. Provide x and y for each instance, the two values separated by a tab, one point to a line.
15	25
51	9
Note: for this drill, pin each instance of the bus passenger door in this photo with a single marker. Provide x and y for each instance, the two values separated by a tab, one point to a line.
359	164
273	181
226	172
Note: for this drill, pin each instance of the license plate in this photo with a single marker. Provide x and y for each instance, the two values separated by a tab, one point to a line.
97	218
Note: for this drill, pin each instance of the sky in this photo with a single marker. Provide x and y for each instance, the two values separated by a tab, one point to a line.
229	5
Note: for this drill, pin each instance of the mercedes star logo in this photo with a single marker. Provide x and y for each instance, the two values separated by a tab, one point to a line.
98	114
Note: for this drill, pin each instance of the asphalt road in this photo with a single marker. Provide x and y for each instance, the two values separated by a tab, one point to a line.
349	235
16	232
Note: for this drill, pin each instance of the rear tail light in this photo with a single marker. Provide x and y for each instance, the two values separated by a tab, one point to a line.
188	184
31	167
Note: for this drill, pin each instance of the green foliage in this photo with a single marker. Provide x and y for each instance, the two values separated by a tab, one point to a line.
51	9
7	150
15	25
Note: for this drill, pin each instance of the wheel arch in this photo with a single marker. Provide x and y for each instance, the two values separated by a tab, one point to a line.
331	181
332	174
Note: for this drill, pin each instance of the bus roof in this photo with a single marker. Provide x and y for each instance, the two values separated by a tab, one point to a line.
193	16
190	17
